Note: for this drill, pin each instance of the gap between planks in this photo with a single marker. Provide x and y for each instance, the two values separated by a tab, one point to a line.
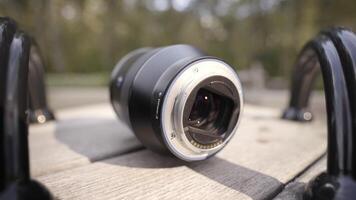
265	154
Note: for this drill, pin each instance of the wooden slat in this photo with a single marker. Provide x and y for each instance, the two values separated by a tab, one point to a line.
77	137
295	189
316	169
266	153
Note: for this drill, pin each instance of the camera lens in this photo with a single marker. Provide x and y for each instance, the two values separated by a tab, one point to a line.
177	100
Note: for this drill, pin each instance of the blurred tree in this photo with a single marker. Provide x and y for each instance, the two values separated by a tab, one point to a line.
91	35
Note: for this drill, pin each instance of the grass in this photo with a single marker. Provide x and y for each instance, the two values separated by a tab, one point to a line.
77	79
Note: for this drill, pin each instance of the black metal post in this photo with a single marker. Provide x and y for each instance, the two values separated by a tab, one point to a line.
39	111
7	31
305	73
345	42
334	52
15	172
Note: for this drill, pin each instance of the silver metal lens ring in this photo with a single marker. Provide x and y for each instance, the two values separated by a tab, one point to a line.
172	113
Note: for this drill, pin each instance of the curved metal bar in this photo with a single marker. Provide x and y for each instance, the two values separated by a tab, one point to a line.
15	122
15	180
335	53
337	106
39	111
305	73
345	42
7	31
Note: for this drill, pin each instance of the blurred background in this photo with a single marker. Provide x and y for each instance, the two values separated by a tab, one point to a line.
82	40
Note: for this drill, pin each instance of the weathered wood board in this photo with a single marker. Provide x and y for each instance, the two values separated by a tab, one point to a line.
78	136
266	153
295	189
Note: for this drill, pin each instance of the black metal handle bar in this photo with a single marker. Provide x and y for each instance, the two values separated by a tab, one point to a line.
15	182
334	52
39	111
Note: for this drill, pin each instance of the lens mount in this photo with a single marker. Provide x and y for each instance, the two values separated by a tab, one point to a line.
214	79
177	100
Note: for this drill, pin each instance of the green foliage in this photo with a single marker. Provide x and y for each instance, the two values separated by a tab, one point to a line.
91	35
75	79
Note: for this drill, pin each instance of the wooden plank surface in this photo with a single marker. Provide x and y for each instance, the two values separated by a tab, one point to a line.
313	171
77	137
295	189
265	153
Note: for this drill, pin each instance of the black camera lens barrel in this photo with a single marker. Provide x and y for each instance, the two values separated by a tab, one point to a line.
153	90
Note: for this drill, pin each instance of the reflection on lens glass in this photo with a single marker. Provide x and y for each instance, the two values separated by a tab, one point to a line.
209	117
201	108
